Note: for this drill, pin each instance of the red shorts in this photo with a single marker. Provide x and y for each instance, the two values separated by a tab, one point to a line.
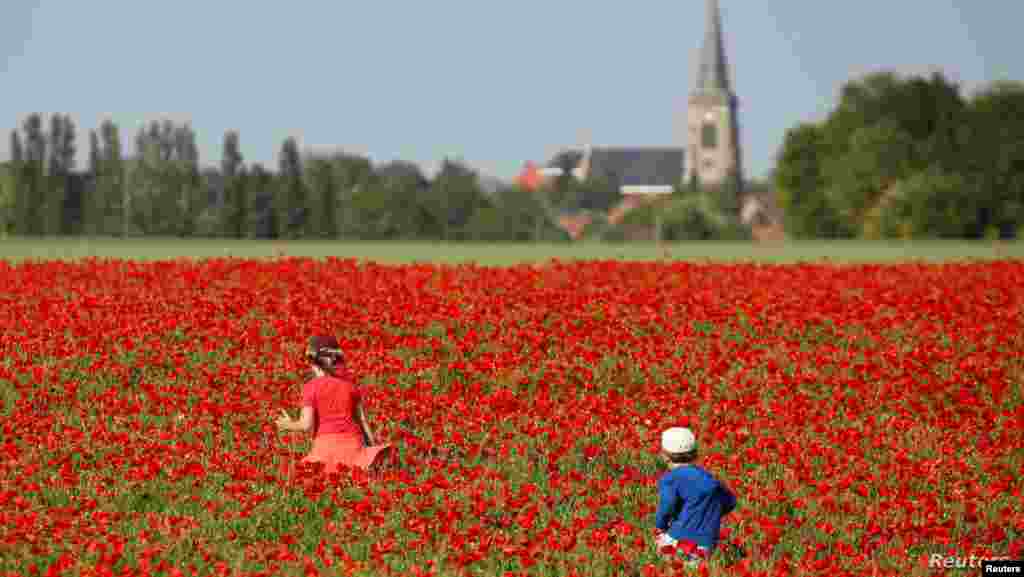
336	450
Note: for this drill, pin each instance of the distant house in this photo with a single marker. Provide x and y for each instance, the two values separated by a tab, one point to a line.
530	178
574	224
637	170
759	210
641	170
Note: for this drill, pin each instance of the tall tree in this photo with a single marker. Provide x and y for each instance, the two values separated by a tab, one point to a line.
19	199
141	179
728	196
170	182
322	190
8	193
166	194
291	197
94	153
62	145
455	196
17	154
54	195
93	206
263	192
517	215
879	156
192	192
929	204
34	175
232	171
799	176
352	175
993	152
885	128
394	203
111	182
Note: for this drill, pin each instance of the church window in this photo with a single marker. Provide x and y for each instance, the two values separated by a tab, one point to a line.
709	136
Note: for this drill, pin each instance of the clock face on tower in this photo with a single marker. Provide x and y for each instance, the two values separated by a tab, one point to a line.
709	116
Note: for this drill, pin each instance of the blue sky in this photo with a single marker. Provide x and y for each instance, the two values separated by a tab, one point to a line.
493	83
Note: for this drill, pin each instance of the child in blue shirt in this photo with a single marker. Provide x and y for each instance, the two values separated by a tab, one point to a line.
691	502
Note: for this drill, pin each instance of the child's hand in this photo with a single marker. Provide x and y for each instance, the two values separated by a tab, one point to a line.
284	421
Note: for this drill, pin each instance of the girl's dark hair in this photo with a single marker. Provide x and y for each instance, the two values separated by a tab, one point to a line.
681	458
327	363
324	352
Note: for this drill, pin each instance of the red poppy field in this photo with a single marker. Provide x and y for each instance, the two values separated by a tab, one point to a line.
868	417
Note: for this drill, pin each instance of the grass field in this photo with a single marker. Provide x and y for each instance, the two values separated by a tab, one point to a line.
505	254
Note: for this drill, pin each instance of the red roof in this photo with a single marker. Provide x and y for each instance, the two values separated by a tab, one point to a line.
530	178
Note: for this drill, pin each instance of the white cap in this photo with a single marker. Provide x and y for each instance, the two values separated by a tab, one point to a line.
678	440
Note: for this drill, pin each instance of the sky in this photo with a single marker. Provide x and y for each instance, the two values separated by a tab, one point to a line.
494	84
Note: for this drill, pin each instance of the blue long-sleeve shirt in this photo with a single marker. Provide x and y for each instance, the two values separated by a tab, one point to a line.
691	504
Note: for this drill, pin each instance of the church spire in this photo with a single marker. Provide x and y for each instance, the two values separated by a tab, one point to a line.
713	72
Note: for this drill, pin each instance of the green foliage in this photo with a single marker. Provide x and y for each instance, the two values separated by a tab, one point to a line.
160	190
799	176
514	215
322	201
898	156
879	155
109	183
726	198
31	178
290	192
59	165
929	110
596	194
683	217
929	204
355	176
993	152
835	178
163	193
570	194
8	193
389	204
455	195
232	170
260	181
389	211
94	201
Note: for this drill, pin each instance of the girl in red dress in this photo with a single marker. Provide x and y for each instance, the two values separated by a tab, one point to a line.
332	410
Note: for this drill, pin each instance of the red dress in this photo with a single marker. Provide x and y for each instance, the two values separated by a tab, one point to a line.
337	438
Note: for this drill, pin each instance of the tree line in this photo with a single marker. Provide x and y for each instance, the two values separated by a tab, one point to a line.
907	157
898	157
163	189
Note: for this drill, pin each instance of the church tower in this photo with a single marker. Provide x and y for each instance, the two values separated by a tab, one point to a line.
713	147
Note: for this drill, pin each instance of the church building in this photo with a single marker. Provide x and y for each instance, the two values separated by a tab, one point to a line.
712	146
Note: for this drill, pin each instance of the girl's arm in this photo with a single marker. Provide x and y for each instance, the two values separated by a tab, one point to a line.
365	425
304	423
